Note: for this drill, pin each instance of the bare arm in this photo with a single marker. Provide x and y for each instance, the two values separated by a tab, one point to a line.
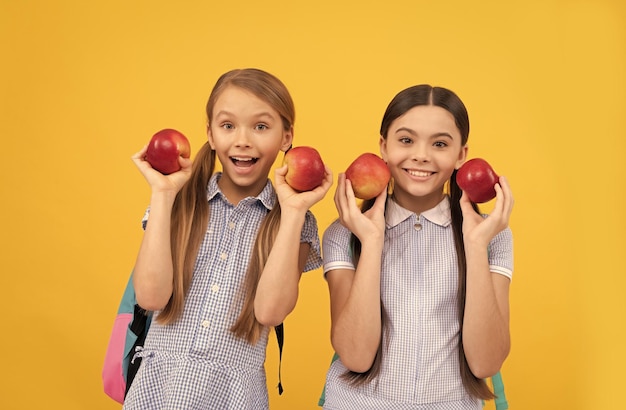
153	272
277	290
486	335
355	295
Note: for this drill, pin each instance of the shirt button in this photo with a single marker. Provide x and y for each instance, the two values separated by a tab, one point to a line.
215	288
205	323
417	226
231	225
223	256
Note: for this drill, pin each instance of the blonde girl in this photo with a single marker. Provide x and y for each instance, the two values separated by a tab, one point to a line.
222	254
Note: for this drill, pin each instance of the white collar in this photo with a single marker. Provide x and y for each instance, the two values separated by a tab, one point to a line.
440	214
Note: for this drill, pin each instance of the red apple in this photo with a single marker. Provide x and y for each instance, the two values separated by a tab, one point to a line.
164	149
369	175
477	178
305	168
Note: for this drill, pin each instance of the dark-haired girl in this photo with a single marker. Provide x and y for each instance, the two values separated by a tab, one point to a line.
418	279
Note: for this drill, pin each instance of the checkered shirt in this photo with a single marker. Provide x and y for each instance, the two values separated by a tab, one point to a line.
196	362
419	273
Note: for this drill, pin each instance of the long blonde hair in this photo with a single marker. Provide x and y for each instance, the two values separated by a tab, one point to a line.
190	214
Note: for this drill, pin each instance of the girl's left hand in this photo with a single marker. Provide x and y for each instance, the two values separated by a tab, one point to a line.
303	201
477	228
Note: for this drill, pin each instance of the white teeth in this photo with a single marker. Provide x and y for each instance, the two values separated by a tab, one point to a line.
243	159
419	173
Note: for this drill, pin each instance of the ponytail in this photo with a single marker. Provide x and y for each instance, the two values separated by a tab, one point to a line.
354	378
474	386
190	218
246	326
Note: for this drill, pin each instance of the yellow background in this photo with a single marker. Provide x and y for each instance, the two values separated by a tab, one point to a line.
85	84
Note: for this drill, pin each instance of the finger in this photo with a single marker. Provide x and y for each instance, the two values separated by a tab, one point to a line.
502	209
329	175
508	196
140	155
379	203
185	163
351	209
279	176
327	182
506	188
282	171
350	197
498	208
347	200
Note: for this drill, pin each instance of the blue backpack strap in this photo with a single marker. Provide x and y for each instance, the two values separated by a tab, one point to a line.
498	390
323	396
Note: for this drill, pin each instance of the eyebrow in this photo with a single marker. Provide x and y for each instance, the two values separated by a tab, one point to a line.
258	115
412	132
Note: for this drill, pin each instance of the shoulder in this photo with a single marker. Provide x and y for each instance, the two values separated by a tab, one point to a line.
504	237
310	219
310	232
336	246
336	230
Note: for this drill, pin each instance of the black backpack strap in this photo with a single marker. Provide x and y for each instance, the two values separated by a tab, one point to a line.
139	327
280	337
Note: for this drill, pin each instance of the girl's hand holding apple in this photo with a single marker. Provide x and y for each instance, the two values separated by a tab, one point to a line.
164	161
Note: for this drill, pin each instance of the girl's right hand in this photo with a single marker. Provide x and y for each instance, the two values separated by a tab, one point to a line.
368	224
159	182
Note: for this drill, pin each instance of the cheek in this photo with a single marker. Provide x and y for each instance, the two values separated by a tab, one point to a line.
393	158
395	166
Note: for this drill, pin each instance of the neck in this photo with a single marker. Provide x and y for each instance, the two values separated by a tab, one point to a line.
417	204
236	193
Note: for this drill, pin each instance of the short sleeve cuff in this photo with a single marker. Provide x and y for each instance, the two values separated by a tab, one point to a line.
501	271
338	265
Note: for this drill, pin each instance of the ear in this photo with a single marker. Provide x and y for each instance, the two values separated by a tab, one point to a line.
462	156
383	148
287	140
209	135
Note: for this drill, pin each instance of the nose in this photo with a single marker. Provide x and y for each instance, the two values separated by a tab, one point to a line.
242	138
420	153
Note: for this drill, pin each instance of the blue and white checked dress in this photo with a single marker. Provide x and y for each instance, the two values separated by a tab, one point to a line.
420	366
196	362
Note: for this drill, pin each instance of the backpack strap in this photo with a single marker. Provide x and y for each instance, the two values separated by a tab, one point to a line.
498	390
280	337
139	326
323	395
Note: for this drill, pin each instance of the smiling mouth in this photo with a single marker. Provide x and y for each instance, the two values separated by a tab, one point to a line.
419	173
243	162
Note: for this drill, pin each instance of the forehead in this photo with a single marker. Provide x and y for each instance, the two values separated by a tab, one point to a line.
426	119
236	100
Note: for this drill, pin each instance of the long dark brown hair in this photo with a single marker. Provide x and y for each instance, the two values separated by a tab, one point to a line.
190	214
401	103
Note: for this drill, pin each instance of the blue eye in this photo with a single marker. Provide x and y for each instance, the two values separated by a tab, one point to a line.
227	126
261	127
